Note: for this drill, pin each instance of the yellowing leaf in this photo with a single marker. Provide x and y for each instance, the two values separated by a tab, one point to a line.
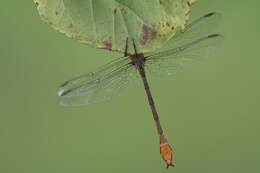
108	23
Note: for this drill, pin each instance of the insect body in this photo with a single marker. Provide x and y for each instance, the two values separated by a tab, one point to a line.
191	44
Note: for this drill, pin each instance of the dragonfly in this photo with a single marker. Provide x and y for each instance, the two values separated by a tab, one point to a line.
190	44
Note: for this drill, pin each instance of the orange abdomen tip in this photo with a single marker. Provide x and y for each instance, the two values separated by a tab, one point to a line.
166	151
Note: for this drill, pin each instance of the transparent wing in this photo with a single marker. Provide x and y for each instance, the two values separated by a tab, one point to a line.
200	27
108	81
173	60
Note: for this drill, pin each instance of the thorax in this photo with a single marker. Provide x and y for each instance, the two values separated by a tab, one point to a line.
138	60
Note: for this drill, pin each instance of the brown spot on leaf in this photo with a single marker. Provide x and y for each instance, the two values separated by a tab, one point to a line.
71	25
147	34
108	45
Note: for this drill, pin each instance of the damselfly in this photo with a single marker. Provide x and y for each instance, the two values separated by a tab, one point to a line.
190	44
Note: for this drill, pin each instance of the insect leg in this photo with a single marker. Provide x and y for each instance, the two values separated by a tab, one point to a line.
134	46
126	47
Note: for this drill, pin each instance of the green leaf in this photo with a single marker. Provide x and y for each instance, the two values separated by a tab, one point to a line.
108	23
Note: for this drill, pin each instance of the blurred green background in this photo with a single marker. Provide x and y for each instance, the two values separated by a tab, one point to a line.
210	111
